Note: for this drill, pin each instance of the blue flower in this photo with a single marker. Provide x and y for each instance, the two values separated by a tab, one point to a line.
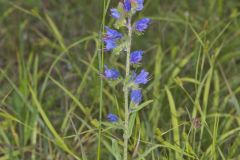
136	56
112	34
112	73
115	13
112	117
142	24
136	96
110	38
127	5
139	5
110	44
141	78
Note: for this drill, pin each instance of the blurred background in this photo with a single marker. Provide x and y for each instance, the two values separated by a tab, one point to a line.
49	81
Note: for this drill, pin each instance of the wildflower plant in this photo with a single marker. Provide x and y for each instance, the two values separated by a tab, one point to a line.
121	43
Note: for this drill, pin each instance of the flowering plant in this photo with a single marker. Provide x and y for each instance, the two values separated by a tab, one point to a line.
118	43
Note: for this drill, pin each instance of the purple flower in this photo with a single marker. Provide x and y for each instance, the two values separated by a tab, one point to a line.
127	5
136	96
141	78
142	24
115	13
110	38
110	44
112	117
112	73
136	56
139	5
112	34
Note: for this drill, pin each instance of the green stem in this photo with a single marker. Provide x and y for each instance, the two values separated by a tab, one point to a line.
126	91
101	64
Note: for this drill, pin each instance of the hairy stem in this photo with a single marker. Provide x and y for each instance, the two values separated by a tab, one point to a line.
126	91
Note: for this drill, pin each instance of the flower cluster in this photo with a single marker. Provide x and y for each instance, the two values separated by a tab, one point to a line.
116	42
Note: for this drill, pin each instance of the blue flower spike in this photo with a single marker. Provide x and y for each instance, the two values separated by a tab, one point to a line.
111	73
112	117
136	57
136	96
117	43
142	24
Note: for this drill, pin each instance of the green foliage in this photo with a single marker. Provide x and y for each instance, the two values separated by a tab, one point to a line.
50	78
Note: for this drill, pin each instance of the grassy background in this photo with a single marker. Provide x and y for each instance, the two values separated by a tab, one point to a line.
49	81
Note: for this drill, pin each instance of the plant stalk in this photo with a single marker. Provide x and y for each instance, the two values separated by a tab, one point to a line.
126	91
101	64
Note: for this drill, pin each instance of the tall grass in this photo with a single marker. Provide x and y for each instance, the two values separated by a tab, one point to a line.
53	102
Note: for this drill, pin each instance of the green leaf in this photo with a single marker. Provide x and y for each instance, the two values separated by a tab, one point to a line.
115	125
174	119
131	124
116	150
138	108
